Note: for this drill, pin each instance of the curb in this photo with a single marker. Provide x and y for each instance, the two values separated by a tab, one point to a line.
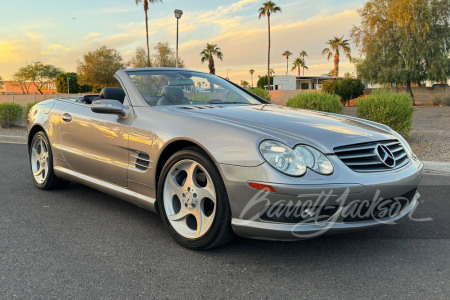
432	166
13	139
436	167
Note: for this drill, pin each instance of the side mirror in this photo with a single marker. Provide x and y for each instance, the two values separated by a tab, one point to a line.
106	106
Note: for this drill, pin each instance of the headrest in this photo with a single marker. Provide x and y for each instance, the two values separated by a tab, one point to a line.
173	94
112	93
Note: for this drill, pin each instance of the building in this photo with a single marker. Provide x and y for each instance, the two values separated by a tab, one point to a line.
292	83
13	87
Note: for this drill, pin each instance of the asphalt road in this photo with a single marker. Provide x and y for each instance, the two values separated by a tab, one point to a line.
80	243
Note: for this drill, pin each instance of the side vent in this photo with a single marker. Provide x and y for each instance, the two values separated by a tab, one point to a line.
141	161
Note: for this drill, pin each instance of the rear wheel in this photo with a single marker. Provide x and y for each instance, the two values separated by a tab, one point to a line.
192	201
41	163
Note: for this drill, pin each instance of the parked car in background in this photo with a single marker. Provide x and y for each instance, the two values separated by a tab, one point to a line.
440	85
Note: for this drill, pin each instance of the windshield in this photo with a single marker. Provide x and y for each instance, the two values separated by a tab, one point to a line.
187	88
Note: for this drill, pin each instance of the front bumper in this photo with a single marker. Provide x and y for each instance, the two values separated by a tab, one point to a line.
341	189
291	232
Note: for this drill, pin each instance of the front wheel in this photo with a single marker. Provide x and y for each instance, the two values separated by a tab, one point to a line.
41	163
193	202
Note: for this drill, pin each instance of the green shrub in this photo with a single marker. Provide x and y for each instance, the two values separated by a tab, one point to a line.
262	82
262	93
27	110
346	88
317	101
389	108
10	113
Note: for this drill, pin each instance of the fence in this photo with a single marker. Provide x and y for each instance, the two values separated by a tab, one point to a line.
25	99
422	95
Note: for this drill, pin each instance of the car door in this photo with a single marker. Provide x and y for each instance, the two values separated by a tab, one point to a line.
95	144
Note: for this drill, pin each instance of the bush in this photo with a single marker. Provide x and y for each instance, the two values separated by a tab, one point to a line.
346	88
262	82
317	101
262	93
10	113
389	108
27	110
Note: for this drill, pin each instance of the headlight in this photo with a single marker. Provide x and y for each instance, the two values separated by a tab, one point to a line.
315	160
295	162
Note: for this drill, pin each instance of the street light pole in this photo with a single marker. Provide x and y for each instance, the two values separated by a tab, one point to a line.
228	78
68	82
178	14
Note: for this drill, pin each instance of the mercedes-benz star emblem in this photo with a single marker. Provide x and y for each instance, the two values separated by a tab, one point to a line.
385	155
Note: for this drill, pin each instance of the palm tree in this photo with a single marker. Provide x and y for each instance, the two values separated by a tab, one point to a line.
208	54
146	7
334	46
304	54
299	63
244	83
286	54
271	72
267	9
251	74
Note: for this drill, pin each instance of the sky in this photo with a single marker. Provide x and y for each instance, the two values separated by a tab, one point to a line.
60	32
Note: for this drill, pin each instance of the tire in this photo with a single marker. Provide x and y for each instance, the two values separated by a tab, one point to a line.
41	163
192	201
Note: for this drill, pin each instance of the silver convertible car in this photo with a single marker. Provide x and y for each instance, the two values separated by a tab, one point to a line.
215	161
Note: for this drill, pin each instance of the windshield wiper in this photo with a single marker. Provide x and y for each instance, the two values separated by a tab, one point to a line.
236	103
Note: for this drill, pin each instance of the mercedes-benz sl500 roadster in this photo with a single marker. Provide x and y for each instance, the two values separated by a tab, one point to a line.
215	161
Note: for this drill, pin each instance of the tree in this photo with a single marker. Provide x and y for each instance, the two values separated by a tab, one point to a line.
61	82
304	54
98	67
404	42
139	60
37	74
165	56
244	83
262	82
347	88
21	80
208	54
251	71
334	46
299	63
267	9
286	54
146	7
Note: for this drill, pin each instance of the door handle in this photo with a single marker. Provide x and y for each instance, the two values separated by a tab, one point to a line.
67	118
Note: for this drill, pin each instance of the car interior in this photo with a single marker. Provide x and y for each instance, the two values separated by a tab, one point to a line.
112	93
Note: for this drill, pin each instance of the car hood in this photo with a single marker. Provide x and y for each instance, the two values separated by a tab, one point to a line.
294	126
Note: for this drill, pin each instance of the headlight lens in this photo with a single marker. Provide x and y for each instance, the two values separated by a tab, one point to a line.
315	160
282	158
295	162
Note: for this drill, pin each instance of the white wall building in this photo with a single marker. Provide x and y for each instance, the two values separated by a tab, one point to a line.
292	83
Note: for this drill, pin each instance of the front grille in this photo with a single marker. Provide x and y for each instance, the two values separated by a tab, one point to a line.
364	158
386	208
297	214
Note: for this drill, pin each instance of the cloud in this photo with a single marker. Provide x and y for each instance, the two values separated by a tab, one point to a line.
246	48
243	40
91	36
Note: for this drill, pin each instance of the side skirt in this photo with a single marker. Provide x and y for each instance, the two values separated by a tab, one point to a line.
107	188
